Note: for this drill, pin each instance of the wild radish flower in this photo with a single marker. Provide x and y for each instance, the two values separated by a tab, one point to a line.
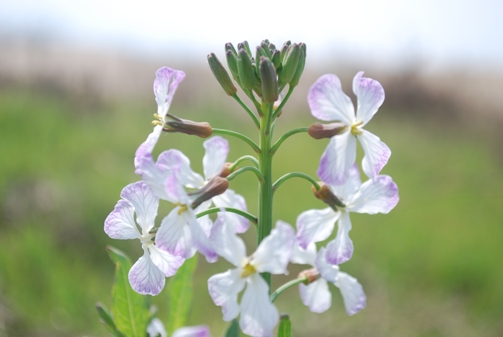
379	195
315	294
328	102
147	276
156	328
258	315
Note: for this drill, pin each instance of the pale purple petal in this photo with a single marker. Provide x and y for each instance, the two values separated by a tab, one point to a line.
327	271
328	102
352	293
165	84
120	223
376	153
145	277
175	192
166	262
370	96
156	328
337	159
217	149
379	195
147	146
174	235
353	183
145	204
226	243
202	242
231	199
315	225
192	331
316	296
304	256
152	176
274	252
341	249
258	315
174	159
224	289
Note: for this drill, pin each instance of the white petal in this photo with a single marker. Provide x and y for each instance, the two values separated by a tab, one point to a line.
145	204
376	153
151	175
352	293
202	242
304	256
274	252
258	315
327	271
174	235
316	296
120	223
156	328
226	243
341	249
166	262
379	195
328	102
231	199
175	192
217	149
337	159
370	95
147	146
145	277
168	160
193	331
224	289
315	225
353	183
165	84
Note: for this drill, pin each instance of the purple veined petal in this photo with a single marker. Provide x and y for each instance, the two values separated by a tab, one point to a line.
176	159
231	199
328	102
316	296
147	146
151	175
217	149
120	223
352	293
156	328
166	262
315	225
192	331
327	271
337	159
224	289
352	185
174	235
274	252
165	84
303	256
370	96
379	195
376	153
202	242
226	243
175	193
341	249
145	277
145	204
258	315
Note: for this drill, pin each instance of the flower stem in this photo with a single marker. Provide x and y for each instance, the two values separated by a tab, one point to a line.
242	159
286	286
247	109
285	137
244	169
290	175
244	214
237	135
283	102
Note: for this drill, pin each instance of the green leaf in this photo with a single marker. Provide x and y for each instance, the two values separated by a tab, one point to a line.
180	295
107	320
233	330
128	307
284	329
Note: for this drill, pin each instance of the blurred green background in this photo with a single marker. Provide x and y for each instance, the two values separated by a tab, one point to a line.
429	268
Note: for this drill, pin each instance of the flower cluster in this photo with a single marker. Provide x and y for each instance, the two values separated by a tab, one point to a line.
188	227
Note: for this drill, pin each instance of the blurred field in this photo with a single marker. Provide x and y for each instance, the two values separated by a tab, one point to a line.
430	268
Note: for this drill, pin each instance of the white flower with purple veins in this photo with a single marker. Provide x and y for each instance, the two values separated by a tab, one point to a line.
379	195
316	295
258	315
328	102
165	84
147	276
156	329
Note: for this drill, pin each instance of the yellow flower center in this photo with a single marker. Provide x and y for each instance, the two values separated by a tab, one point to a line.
182	209
158	120
248	270
355	131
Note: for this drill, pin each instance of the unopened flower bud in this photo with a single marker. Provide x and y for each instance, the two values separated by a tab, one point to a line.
246	46
245	70
226	170
300	66
269	79
221	75
320	131
200	129
290	63
326	195
284	49
214	187
232	63
276	58
311	275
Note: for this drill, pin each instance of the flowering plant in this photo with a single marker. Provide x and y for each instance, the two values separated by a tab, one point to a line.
267	78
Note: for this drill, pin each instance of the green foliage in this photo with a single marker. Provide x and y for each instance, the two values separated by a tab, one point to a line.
180	292
233	329
284	329
107	320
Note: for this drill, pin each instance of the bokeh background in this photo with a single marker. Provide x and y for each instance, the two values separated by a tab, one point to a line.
76	100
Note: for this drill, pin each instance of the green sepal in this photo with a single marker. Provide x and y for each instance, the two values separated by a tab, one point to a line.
233	329
276	59
285	329
284	49
246	46
270	91
232	63
265	46
221	75
245	70
289	64
107	320
300	66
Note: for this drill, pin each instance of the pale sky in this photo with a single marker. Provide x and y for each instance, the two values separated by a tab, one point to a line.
441	33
